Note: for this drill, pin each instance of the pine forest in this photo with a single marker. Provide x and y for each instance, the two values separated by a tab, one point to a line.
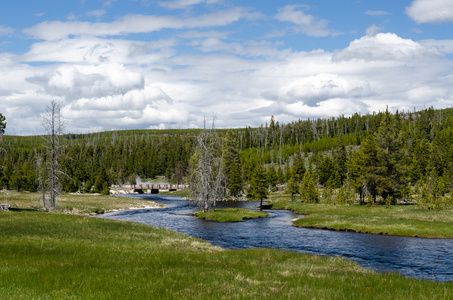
382	158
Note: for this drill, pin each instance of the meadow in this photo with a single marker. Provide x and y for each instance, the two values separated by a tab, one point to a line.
402	220
55	255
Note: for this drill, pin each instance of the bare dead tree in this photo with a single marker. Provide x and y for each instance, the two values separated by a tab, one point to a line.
53	124
206	176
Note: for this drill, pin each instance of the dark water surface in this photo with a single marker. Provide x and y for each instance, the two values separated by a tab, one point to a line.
416	257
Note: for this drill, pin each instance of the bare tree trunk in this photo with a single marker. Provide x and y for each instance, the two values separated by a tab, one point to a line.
53	124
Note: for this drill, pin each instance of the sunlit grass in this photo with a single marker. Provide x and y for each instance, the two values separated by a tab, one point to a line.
231	214
77	203
403	220
60	256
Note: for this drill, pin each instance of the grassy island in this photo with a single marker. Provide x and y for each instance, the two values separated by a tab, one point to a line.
231	214
402	220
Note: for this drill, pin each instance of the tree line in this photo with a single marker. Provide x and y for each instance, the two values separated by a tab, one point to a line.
378	158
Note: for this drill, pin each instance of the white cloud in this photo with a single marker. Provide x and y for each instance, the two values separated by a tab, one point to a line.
135	24
5	30
376	13
305	23
182	4
443	46
98	51
373	30
74	82
106	84
96	13
431	11
385	47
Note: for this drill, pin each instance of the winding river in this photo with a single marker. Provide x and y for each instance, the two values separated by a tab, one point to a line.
415	257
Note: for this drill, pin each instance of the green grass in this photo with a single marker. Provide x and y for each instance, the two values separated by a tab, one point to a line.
402	220
231	214
78	203
62	256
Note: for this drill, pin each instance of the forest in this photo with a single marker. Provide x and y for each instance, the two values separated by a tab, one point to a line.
381	158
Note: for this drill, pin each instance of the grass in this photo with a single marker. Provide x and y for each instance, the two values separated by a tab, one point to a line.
78	203
402	220
61	256
231	214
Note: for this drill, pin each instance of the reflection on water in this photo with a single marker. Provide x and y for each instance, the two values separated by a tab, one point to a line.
416	257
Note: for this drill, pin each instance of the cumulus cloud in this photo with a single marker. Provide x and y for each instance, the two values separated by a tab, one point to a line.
312	90
385	47
98	51
305	23
55	30
442	46
106	84
74	82
431	11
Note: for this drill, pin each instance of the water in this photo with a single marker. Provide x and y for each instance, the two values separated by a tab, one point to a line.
415	257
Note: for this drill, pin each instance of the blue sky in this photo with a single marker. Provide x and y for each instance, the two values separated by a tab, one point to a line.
121	64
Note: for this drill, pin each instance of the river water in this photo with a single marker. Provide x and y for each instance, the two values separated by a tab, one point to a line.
415	257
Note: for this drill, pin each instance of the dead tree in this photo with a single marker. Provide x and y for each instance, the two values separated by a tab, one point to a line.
50	173
206	176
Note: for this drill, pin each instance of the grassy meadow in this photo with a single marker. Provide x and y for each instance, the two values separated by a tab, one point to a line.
403	220
78	203
54	255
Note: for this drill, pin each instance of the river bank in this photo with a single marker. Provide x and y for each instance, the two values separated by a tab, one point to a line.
398	220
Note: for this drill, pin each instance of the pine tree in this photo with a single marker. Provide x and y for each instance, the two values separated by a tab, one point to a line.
293	186
309	192
371	168
231	163
272	177
258	186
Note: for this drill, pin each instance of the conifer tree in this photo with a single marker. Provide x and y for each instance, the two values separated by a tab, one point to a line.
258	186
231	163
370	168
293	187
272	177
309	193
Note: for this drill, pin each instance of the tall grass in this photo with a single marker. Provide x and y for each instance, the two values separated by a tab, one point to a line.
61	256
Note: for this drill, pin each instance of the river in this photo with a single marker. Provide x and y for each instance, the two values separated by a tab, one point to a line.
415	257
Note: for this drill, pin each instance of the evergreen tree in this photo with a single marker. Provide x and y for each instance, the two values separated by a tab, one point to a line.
309	192
258	186
272	177
392	156
280	175
235	182
231	163
370	168
298	165
293	187
326	170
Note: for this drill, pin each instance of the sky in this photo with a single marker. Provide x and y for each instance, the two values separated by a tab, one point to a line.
153	64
